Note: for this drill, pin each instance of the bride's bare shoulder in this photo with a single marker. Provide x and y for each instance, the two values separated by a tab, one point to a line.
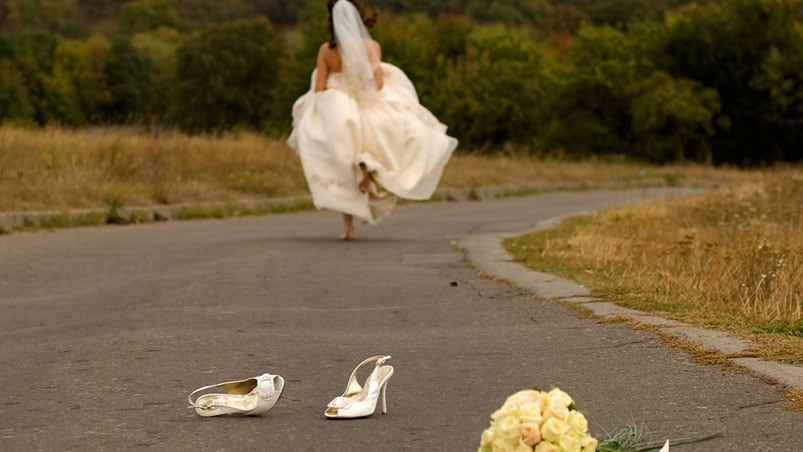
324	49
328	55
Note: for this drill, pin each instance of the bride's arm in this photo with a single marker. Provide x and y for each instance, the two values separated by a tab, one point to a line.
378	75
323	68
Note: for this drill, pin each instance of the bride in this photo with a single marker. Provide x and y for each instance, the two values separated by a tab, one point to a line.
362	136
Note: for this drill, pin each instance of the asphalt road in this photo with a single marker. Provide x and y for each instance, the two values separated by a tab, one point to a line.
104	331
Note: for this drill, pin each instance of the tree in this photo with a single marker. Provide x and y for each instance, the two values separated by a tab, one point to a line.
492	95
52	15
130	79
77	85
430	7
31	53
143	15
673	117
225	77
565	19
589	99
512	12
781	77
15	102
452	33
410	43
199	14
158	50
281	13
295	65
621	13
730	47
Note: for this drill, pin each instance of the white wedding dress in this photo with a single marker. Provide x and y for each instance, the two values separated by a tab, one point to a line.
399	142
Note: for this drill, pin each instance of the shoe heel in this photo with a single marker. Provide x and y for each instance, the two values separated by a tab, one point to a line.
384	401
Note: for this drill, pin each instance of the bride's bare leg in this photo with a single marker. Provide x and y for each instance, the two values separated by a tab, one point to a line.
348	227
365	179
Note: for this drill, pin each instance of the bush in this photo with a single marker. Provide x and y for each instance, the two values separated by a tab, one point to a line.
225	77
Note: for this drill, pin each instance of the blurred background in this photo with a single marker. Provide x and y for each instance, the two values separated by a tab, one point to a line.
660	81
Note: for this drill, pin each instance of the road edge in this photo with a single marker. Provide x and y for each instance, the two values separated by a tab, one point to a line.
487	255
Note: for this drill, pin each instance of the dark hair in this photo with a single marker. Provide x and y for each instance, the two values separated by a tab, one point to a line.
368	18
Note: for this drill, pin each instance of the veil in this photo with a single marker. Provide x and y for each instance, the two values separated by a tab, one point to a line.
353	41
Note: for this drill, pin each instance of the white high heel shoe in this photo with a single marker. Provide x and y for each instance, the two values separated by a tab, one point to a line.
250	397
360	401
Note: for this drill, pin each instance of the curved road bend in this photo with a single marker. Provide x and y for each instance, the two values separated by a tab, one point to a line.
104	332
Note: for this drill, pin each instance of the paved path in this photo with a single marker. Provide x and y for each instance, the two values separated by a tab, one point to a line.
104	332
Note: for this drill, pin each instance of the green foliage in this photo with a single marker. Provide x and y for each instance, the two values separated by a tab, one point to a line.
77	86
513	12
589	108
15	102
202	13
52	15
490	96
294	69
410	43
565	19
143	15
31	54
35	46
619	13
673	118
129	76
225	77
729	47
430	7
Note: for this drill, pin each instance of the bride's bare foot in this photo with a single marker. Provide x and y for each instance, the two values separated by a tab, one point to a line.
348	228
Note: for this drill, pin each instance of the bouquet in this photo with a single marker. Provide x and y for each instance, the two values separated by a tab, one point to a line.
538	421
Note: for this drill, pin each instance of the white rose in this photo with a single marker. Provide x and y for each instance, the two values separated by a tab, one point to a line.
589	444
556	393
527	395
556	408
544	446
511	404
523	448
577	422
501	445
506	411
509	427
569	444
531	411
514	402
553	429
530	434
487	436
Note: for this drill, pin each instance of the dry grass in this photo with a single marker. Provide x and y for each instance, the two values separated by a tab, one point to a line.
794	398
478	170
59	169
730	259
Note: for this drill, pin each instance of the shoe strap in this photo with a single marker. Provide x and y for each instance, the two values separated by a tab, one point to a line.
354	386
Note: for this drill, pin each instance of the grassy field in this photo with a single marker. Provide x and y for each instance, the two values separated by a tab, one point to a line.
58	169
731	259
